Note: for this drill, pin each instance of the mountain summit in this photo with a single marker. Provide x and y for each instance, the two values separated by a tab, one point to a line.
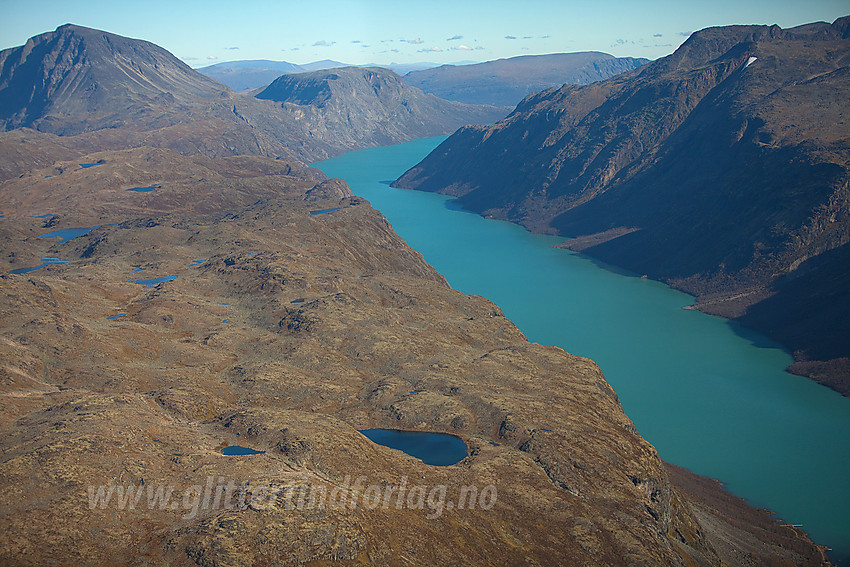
118	92
721	169
76	71
372	103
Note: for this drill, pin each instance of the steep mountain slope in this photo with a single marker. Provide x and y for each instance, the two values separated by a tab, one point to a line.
370	103
505	82
722	169
75	71
114	92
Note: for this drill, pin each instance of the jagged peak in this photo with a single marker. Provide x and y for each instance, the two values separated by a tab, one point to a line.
842	27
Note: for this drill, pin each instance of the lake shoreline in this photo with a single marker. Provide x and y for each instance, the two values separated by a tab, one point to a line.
739	416
833	374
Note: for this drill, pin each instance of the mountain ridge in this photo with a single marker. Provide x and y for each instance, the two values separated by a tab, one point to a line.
642	163
505	82
114	92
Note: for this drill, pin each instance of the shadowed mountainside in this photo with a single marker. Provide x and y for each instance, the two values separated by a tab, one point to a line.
720	169
505	82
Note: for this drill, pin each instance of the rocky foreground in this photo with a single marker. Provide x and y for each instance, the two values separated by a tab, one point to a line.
286	332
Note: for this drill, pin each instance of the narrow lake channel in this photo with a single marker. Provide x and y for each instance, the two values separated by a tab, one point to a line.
709	396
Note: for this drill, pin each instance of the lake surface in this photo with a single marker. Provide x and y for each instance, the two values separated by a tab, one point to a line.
45	262
711	399
236	450
67	234
150	282
436	449
144	189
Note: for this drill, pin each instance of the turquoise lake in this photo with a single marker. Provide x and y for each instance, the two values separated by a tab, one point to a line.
710	397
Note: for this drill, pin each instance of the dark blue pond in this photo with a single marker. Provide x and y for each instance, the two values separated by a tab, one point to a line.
113	317
144	189
236	450
323	211
196	263
43	216
46	262
88	165
438	449
150	282
138	269
67	234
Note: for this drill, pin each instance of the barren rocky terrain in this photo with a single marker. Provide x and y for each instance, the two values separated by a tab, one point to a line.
286	332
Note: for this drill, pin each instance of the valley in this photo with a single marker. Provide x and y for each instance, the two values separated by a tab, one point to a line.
211	319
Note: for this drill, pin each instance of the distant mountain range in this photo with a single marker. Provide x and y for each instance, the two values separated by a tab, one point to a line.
253	74
505	82
113	92
259	73
721	169
496	83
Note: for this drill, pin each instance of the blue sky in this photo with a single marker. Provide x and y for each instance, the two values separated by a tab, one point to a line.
383	31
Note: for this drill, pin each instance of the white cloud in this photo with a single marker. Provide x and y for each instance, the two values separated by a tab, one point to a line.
434	49
455	38
323	43
462	47
212	57
417	41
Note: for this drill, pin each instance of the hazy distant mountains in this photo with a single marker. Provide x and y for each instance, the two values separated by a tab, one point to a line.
352	103
497	83
112	92
722	169
505	82
254	74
